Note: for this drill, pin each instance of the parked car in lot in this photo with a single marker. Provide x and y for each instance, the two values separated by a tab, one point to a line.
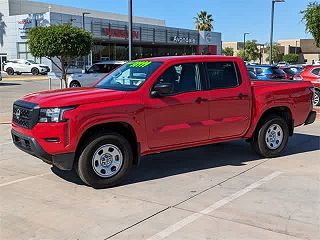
312	73
267	72
0	76
155	105
282	64
20	66
93	74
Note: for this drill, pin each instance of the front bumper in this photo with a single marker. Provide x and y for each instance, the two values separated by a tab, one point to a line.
44	70
311	118
30	145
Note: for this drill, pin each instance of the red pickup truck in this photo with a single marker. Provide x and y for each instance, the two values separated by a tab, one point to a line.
155	105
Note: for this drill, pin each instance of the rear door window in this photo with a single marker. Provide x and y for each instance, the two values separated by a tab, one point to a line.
276	71
223	75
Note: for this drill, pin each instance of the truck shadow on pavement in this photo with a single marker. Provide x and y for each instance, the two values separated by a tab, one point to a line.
237	153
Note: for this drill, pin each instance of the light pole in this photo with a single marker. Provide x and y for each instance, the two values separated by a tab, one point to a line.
130	28
244	41
83	23
84	28
271	33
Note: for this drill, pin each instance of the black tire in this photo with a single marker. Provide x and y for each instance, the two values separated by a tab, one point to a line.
258	142
35	71
75	84
85	166
316	99
10	71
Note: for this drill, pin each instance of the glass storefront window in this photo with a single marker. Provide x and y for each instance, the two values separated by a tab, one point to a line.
119	52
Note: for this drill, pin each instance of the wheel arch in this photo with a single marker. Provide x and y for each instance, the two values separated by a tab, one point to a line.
122	128
281	111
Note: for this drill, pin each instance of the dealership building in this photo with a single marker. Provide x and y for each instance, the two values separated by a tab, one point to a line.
151	37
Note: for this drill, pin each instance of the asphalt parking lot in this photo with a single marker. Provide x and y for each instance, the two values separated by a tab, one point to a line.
221	191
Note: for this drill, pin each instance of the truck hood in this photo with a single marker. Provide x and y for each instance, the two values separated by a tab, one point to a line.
73	96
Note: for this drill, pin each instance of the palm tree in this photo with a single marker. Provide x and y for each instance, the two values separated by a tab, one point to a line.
204	21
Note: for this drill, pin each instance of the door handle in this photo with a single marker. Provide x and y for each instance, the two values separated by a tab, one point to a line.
200	99
242	96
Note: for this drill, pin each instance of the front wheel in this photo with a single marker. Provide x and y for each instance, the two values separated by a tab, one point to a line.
316	98
35	71
271	137
105	160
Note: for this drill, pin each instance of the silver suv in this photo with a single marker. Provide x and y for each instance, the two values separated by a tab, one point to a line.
93	74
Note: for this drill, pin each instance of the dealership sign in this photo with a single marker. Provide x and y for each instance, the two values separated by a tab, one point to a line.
120	33
183	40
28	21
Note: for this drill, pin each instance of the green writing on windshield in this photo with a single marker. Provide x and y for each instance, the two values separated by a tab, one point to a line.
140	64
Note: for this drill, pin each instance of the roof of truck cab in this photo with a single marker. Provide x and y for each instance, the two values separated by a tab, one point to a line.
189	57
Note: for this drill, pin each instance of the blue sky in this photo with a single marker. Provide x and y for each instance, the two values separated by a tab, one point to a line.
232	17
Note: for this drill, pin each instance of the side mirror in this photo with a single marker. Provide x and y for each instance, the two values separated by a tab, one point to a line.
161	89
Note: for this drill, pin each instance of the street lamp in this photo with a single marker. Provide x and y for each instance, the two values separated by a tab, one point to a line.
130	28
271	34
244	41
84	28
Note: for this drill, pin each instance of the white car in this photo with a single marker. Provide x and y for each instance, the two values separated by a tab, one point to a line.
20	66
93	74
282	64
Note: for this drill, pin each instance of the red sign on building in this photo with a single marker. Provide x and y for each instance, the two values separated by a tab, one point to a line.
120	33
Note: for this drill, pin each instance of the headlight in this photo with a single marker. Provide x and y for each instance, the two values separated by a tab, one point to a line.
52	114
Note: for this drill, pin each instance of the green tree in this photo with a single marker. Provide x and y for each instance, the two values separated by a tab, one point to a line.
252	50
228	51
243	54
311	16
63	42
291	58
277	56
204	21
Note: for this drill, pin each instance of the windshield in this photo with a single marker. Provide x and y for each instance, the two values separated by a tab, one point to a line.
130	76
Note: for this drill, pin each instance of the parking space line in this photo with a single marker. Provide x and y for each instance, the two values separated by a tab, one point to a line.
24	179
184	222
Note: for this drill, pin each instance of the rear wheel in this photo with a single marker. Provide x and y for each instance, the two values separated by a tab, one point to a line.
105	160
35	71
316	98
10	71
271	137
